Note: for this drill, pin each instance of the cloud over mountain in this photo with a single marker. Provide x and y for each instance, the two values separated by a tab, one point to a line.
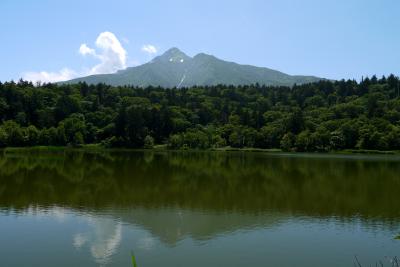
112	55
150	49
108	51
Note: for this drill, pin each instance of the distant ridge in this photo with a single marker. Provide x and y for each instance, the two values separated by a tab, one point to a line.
176	69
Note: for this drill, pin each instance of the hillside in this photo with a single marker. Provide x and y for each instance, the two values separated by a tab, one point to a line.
176	69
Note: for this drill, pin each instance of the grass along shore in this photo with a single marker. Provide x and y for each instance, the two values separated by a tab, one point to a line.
91	147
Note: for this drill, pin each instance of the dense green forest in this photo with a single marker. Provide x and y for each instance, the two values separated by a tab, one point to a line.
322	116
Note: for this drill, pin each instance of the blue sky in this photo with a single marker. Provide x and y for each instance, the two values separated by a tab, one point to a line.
333	39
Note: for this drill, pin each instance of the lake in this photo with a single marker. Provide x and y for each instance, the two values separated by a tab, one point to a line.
77	208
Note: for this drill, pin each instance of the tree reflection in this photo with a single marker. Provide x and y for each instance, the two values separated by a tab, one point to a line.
242	182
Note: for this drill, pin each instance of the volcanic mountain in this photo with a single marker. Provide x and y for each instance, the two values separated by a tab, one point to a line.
176	69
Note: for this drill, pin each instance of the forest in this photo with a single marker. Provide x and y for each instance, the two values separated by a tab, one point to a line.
316	117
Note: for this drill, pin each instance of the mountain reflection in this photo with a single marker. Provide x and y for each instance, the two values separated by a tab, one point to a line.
169	197
171	225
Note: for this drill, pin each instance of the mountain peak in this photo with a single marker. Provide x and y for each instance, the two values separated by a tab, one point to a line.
176	69
173	55
173	50
204	56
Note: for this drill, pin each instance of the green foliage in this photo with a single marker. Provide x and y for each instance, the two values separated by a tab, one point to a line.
14	134
133	258
78	139
3	137
74	128
3	107
32	135
304	141
148	142
321	116
287	142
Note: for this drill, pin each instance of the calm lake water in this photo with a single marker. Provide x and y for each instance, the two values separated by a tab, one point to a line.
197	209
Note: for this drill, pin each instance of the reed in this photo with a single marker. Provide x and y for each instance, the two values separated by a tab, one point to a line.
134	264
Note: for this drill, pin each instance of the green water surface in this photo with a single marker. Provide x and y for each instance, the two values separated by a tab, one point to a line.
77	208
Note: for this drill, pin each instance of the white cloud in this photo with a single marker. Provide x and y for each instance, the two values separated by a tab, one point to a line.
112	54
108	50
150	49
79	240
49	77
103	238
85	50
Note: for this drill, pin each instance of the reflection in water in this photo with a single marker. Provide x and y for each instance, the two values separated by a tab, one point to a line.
250	183
162	200
103	238
102	235
173	225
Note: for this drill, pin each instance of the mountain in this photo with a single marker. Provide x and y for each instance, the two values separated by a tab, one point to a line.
176	69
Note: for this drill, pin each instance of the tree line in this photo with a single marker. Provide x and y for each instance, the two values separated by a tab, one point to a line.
322	116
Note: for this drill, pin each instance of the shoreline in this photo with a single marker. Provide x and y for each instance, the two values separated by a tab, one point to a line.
163	148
